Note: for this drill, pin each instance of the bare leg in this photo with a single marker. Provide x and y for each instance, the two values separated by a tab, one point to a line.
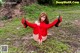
44	38
35	37
40	42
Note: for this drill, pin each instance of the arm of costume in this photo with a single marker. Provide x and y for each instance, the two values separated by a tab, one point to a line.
55	23
52	24
32	25
26	23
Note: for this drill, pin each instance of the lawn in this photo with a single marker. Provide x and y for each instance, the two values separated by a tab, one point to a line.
64	38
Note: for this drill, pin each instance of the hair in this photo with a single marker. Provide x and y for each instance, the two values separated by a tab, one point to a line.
44	14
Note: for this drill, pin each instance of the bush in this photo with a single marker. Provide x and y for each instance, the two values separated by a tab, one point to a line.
50	2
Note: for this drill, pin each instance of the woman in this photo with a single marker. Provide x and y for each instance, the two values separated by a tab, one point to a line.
41	26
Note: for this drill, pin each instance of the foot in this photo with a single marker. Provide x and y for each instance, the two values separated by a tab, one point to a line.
40	42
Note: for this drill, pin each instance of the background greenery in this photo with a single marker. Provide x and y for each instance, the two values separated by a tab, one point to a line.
14	34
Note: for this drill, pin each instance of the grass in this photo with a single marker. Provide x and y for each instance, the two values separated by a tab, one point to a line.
51	46
13	29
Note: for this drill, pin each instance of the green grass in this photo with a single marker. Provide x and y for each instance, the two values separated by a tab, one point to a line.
34	10
51	45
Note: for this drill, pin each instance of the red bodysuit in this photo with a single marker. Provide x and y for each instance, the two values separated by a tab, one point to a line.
40	29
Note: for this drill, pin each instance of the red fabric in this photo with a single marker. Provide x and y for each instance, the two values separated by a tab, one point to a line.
42	29
22	21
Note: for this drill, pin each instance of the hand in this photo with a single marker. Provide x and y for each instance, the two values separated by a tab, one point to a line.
23	21
59	20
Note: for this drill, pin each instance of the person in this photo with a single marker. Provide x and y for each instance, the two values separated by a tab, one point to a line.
41	26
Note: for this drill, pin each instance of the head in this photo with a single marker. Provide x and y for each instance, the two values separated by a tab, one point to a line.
43	18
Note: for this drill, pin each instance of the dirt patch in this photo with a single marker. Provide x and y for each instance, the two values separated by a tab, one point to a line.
7	13
76	22
1	24
69	34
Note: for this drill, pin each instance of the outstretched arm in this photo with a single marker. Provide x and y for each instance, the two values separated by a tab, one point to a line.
52	24
32	25
57	21
26	23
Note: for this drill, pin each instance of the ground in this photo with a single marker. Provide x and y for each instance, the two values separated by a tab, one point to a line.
62	39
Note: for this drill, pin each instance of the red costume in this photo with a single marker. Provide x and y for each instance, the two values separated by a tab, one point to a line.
41	28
